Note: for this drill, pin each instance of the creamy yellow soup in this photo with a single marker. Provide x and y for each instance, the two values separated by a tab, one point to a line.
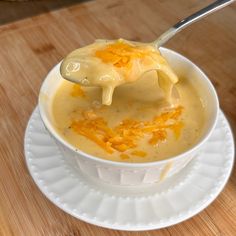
139	126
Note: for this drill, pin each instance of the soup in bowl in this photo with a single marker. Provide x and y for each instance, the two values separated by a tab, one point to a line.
140	138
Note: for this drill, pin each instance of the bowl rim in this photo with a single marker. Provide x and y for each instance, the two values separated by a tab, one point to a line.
90	157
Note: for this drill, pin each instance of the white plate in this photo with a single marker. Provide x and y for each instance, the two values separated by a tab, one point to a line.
129	208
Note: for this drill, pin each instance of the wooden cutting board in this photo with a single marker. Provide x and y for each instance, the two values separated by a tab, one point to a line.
31	46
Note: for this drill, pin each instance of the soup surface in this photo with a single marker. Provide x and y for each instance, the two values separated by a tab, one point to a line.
139	126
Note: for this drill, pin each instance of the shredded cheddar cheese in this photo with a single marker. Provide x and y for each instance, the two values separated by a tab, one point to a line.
121	54
126	135
139	153
77	91
157	136
124	156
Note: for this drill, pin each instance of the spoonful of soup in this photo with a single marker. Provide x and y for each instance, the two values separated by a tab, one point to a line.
111	63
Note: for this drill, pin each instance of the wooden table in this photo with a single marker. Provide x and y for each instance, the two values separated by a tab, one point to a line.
30	47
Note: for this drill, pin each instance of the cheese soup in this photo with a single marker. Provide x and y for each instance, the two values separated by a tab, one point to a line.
139	126
126	103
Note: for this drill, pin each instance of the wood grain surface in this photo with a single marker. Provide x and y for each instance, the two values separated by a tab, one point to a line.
31	46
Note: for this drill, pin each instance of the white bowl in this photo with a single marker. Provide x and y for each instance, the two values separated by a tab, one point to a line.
121	173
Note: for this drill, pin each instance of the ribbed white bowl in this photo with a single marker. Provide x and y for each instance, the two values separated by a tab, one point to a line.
134	173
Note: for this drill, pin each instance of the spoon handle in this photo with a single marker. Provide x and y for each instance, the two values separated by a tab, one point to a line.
217	5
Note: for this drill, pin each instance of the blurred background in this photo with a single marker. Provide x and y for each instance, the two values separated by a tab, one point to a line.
12	10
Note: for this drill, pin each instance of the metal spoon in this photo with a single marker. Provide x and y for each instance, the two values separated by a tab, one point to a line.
217	5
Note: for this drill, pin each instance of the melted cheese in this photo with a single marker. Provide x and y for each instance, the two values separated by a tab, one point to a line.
108	64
